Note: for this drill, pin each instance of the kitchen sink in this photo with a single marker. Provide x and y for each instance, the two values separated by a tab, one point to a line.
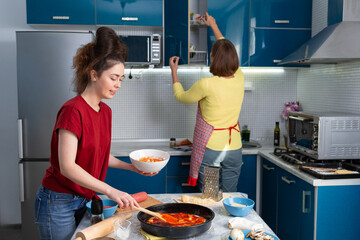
251	144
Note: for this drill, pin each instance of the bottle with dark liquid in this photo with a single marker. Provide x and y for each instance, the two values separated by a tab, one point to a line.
96	211
277	135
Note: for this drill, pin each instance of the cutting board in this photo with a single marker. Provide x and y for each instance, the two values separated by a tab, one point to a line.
150	201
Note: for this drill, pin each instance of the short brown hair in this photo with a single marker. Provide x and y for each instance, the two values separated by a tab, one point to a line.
225	60
101	54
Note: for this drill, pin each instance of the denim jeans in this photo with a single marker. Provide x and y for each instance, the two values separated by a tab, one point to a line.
230	162
57	214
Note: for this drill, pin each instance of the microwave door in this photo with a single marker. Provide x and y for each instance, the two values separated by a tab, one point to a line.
138	49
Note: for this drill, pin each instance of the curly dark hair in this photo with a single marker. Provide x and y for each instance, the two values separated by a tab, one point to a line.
101	54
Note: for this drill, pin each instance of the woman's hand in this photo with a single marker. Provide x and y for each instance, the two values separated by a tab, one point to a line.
208	20
123	199
174	63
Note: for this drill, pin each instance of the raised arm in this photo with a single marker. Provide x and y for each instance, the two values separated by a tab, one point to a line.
210	21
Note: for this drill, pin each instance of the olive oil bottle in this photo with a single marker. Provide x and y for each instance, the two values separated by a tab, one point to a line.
277	134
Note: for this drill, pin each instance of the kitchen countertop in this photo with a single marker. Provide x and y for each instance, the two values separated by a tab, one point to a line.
218	230
122	148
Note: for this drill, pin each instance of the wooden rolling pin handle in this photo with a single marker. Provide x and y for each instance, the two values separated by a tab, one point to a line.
100	229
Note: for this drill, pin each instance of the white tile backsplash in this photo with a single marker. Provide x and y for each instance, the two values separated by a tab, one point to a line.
330	87
145	108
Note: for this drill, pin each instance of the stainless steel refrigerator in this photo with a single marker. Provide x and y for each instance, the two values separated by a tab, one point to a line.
44	75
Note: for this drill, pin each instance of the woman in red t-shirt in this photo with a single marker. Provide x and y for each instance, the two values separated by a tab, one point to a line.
81	139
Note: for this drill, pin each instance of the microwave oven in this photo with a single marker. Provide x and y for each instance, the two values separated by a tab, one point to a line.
326	136
143	49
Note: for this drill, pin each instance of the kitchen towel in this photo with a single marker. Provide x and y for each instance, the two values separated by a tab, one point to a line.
148	236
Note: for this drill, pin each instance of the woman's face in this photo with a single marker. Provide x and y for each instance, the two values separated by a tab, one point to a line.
109	81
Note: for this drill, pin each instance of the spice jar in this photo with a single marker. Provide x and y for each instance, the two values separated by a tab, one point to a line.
172	142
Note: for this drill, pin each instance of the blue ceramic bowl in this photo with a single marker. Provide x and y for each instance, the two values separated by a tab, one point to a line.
110	207
238	211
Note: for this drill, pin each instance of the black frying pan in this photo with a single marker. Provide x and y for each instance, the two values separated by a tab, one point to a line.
177	232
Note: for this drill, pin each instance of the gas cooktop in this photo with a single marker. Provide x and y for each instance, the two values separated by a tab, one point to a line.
324	169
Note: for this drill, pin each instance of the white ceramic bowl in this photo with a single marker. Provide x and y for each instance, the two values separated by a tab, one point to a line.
149	166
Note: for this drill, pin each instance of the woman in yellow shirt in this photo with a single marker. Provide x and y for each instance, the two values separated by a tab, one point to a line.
217	140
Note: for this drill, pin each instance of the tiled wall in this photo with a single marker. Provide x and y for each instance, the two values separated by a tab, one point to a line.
145	108
334	87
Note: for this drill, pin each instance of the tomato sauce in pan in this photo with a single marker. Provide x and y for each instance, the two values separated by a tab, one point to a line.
183	220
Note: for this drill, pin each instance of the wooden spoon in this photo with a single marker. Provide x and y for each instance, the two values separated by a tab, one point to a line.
162	216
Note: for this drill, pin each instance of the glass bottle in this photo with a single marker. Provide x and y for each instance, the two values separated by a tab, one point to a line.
96	211
172	142
245	134
277	134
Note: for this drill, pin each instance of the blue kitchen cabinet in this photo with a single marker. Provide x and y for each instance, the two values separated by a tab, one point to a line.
129	12
132	182
177	172
338	212
247	179
295	207
269	191
287	203
80	12
176	24
281	13
269	46
232	18
335	13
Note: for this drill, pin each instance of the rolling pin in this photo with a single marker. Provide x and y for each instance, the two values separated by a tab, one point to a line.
100	229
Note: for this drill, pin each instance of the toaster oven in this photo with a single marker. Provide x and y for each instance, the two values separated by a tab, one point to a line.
324	136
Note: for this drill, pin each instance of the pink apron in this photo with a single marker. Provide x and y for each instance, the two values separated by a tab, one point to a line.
202	133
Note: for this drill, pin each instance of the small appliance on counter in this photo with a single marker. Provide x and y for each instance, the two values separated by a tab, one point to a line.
325	136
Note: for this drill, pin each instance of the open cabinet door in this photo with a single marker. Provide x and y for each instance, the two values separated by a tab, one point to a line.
176	30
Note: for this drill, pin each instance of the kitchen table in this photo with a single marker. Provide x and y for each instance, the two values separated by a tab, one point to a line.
218	230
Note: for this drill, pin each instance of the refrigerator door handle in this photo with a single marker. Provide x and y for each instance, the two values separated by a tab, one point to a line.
20	138
21	175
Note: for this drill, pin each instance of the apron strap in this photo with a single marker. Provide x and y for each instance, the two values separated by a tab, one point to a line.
230	130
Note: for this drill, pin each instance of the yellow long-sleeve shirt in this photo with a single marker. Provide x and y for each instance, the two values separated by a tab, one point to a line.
220	102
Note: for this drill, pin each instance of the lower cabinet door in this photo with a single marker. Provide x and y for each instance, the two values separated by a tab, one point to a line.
289	207
269	193
247	179
132	182
179	185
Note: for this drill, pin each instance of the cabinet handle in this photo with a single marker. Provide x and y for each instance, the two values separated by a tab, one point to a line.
306	195
276	61
60	17
288	181
185	185
185	164
282	21
130	18
268	168
20	138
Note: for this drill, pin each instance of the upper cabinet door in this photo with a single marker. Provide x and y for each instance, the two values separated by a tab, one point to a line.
269	46
176	30
60	12
281	13
232	18
129	12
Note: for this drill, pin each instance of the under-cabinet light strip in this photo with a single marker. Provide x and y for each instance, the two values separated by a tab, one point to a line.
201	69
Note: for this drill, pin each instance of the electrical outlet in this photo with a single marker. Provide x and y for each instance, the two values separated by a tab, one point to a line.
138	76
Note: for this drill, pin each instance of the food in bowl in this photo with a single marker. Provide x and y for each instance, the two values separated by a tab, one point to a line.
149	166
151	159
238	211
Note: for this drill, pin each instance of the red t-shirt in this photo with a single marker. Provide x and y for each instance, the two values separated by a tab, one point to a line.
93	130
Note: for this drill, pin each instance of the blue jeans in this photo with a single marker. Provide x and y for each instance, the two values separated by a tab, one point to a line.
230	163
57	214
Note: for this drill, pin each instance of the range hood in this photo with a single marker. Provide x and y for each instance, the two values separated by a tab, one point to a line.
336	43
